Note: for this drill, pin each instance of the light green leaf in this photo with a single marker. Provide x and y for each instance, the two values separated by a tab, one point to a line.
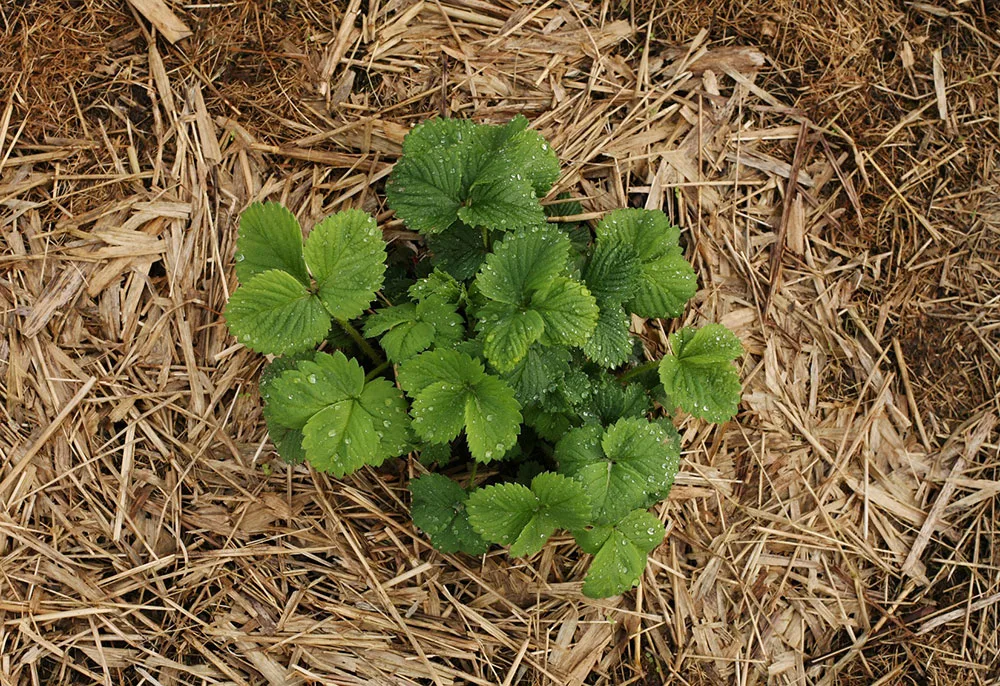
525	518
665	286
439	412
632	461
442	314
341	439
438	508
269	238
383	401
523	263
492	419
274	313
568	310
346	254
450	390
509	332
313	384
409	329
513	149
610	344
438	366
699	374
620	553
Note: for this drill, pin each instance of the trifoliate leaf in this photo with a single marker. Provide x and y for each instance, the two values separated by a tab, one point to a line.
409	329
273	313
340	421
512	514
346	255
621	467
427	189
490	176
620	553
450	390
523	263
665	286
458	250
438	509
313	384
504	203
699	374
665	279
538	372
269	238
510	331
612	272
288	442
568	310
610	344
549	425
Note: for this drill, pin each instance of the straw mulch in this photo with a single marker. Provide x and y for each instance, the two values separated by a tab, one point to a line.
833	167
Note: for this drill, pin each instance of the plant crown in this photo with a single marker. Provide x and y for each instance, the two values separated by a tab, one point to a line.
510	347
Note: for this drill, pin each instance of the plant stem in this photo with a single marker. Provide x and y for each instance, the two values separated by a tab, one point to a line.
365	346
486	237
639	370
378	370
472	477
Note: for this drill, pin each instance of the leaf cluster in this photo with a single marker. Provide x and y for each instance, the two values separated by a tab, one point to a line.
513	351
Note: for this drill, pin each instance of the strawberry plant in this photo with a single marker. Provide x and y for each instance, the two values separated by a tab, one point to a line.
504	359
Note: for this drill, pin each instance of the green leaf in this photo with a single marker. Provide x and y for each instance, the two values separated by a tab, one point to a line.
523	263
512	514
409	329
269	238
438	508
458	250
620	553
510	331
492	419
568	310
341	439
515	150
612	401
649	232
538	372
427	189
610	344
665	280
438	366
390	418
440	284
450	391
346	254
502	204
665	286
612	272
438	133
288	442
699	374
620	468
312	385
273	313
435	454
